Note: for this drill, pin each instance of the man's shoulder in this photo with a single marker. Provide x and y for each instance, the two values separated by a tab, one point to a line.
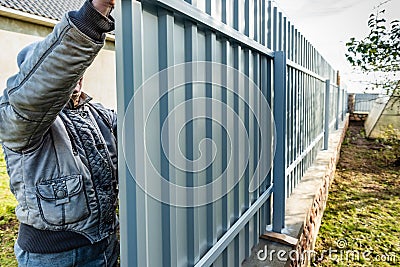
100	108
107	115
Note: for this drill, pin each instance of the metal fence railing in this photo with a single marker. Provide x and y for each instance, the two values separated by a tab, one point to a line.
364	102
212	95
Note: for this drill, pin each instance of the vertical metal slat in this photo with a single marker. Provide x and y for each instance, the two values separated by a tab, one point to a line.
279	159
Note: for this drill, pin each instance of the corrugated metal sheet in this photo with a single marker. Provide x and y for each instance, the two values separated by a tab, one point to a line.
364	102
169	112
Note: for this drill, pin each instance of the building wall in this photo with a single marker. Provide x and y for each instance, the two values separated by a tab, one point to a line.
99	80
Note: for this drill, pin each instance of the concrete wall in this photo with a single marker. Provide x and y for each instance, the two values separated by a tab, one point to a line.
15	33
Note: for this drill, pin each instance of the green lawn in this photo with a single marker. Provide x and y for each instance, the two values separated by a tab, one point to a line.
8	222
360	226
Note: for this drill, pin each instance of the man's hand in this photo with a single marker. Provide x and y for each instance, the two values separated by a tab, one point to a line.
104	6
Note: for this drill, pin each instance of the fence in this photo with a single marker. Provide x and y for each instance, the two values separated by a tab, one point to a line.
364	102
189	201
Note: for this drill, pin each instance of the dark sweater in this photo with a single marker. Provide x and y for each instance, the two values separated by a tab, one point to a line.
44	241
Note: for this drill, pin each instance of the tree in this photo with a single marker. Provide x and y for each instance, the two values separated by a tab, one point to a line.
379	52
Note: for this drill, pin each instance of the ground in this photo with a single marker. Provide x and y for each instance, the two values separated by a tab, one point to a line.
360	224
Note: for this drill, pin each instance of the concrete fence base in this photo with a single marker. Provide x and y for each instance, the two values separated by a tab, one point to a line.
312	221
304	210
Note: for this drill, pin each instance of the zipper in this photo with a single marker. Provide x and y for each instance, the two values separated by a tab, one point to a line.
93	122
70	136
103	117
74	147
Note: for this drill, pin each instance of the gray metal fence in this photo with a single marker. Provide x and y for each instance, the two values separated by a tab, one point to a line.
282	68
364	102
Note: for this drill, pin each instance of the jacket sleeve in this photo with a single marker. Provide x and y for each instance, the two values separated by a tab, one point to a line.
47	76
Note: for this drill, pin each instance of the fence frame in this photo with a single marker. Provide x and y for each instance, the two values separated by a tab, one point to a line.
286	55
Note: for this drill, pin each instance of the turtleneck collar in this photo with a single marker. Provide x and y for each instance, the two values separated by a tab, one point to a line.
83	99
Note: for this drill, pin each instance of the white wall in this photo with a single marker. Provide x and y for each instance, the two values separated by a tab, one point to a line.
99	80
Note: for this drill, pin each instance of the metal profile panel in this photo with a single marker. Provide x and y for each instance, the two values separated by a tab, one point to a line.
333	105
154	35
304	108
364	102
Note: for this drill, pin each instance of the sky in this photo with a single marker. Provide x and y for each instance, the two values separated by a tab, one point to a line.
329	24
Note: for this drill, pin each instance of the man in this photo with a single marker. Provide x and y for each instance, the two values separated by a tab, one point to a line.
61	151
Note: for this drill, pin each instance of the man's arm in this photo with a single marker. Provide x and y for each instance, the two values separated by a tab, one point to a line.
35	96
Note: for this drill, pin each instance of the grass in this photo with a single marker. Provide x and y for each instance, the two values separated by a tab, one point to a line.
360	224
8	221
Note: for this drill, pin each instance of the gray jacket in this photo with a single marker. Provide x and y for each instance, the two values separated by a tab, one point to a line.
62	161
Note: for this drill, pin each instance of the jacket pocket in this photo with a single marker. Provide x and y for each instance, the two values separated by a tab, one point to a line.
62	200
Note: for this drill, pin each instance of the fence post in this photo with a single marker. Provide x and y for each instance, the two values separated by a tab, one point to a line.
337	108
279	164
345	98
327	120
